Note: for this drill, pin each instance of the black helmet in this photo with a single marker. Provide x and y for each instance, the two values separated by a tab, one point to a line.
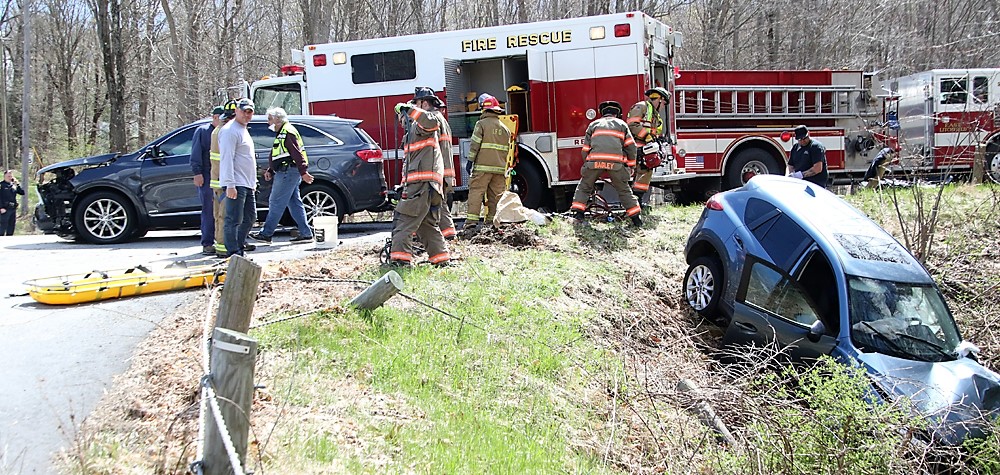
610	108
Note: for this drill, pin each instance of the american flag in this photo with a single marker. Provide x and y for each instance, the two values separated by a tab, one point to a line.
697	162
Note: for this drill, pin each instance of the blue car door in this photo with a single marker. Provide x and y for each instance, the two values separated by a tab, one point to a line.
773	310
167	186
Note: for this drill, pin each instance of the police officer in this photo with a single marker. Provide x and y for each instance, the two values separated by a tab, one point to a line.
9	189
487	164
646	124
419	207
608	147
807	159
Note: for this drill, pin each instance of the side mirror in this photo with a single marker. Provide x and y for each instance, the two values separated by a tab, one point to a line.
816	330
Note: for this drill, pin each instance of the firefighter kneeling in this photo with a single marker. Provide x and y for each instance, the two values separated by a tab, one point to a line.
607	147
487	163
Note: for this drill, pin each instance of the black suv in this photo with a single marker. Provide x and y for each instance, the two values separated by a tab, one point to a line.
113	198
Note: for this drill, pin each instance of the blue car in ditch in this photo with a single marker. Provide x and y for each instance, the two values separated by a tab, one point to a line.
787	264
117	197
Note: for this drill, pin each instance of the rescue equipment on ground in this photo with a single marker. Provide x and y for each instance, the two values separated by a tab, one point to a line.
99	285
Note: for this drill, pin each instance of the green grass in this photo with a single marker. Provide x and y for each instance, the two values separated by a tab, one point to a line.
501	398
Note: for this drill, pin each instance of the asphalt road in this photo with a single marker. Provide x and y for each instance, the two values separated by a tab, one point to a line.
58	361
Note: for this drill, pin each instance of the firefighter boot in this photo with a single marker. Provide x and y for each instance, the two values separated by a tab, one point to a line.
636	221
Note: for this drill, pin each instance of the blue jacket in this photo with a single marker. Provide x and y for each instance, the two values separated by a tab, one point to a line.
200	151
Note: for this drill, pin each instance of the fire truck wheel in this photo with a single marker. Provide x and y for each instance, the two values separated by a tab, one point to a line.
527	182
747	164
992	168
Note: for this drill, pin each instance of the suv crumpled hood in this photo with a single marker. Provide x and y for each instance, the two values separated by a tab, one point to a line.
94	160
956	395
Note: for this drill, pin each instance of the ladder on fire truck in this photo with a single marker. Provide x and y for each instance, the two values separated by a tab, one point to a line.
734	102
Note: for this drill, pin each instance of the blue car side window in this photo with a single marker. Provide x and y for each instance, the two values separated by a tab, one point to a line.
771	291
179	144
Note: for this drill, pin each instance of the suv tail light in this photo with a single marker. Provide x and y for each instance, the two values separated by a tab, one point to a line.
371	155
713	203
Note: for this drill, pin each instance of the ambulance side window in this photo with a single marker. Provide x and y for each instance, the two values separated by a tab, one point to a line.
954	90
981	89
382	67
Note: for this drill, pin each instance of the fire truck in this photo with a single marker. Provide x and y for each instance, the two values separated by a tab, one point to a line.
723	126
941	116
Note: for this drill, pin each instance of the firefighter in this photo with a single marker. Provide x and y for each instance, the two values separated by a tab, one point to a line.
608	147
877	168
219	210
446	224
419	207
646	124
487	162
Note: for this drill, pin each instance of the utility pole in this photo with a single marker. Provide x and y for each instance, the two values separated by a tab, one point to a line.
5	122
26	103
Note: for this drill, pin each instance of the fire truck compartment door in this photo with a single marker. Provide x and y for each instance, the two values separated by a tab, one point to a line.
539	65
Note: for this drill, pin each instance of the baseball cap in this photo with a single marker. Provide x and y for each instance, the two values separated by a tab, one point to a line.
218	110
801	132
244	104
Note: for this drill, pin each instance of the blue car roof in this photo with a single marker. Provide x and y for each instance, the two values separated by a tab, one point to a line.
847	235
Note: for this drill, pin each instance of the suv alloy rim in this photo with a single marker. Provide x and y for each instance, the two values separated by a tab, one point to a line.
105	218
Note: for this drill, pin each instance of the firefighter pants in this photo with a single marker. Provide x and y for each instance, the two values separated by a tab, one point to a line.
219	212
619	176
447	224
490	186
419	212
643	176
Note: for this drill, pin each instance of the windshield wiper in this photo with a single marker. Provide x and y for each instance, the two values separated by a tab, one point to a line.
888	340
935	346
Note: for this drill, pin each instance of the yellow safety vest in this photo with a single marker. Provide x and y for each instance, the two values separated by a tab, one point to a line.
279	153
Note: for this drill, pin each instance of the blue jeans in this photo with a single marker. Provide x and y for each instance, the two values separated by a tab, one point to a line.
207	198
240	215
285	194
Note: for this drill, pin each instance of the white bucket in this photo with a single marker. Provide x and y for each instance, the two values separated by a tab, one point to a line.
325	232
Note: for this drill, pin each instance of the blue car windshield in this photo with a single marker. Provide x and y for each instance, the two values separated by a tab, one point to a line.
900	319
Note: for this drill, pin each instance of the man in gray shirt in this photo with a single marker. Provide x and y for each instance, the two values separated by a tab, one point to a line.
238	176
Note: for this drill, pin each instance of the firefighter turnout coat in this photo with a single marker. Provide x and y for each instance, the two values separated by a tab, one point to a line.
491	141
219	210
608	147
419	207
446	224
646	125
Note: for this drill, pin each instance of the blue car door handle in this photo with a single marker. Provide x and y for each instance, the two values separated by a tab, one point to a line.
745	327
739	242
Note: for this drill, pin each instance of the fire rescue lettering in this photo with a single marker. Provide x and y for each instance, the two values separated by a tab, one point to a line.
518	41
479	44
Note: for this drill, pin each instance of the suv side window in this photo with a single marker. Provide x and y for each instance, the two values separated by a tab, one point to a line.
776	293
315	138
263	138
179	144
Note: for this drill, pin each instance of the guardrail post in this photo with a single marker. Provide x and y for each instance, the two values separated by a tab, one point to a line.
238	295
381	290
232	366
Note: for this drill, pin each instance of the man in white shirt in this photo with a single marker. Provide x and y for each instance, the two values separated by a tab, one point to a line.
238	176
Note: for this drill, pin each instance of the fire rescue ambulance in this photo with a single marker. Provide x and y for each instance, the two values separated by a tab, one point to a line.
942	115
550	74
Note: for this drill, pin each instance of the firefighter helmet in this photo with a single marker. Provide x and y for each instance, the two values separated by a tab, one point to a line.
229	110
426	94
658	93
610	108
490	103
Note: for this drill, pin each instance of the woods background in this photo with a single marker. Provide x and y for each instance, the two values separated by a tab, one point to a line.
113	74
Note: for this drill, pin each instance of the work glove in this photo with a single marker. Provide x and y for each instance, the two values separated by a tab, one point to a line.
468	167
403	108
796	175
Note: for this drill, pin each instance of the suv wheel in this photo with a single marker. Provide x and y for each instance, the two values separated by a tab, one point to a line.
320	200
105	218
703	285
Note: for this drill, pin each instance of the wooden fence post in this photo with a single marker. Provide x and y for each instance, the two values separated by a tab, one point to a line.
238	295
381	290
233	358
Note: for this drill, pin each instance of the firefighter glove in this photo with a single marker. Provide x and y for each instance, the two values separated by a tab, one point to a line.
796	175
403	108
468	167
